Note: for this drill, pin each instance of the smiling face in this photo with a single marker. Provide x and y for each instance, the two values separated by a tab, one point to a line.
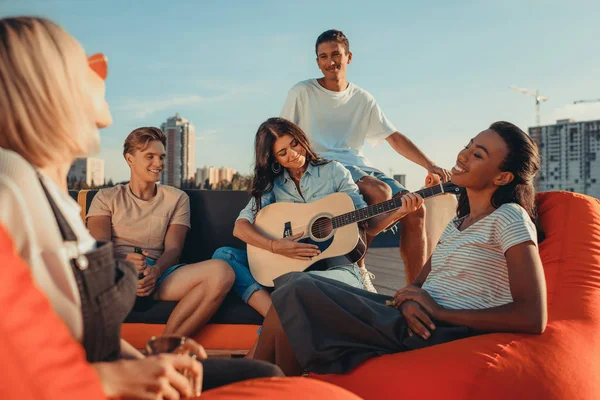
289	152
332	59
147	163
478	164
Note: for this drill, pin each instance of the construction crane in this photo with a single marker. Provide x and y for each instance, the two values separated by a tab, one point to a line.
587	101
538	99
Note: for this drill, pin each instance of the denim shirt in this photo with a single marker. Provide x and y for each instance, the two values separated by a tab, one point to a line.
317	182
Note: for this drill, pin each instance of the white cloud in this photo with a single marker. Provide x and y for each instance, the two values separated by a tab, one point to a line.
578	112
207	134
141	108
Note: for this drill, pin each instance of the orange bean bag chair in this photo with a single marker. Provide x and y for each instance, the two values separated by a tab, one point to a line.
38	357
562	363
40	360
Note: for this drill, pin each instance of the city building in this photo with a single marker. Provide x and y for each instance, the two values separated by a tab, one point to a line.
214	175
570	156
89	170
180	162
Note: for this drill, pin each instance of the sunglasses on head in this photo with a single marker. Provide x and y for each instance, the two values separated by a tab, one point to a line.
99	63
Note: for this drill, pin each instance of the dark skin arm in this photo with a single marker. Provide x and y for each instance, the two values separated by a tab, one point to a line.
527	313
406	148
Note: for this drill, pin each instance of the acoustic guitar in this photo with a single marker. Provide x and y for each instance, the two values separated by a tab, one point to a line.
331	223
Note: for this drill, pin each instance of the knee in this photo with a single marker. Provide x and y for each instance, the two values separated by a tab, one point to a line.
222	253
222	276
267	370
374	190
302	283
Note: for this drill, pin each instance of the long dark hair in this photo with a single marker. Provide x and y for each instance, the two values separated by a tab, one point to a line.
523	160
264	173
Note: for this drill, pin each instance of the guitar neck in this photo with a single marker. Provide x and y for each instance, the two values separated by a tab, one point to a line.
386	206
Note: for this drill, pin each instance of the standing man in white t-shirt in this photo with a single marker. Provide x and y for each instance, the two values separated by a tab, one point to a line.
338	117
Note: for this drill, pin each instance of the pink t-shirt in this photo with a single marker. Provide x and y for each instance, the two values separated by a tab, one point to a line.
141	223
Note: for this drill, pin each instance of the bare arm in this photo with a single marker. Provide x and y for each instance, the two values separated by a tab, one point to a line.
406	148
247	233
528	311
100	228
174	241
129	350
289	247
410	203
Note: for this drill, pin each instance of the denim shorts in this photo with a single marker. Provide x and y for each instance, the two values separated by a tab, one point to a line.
166	273
360	172
245	285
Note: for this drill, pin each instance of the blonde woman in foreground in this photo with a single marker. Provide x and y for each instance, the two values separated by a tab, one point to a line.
53	102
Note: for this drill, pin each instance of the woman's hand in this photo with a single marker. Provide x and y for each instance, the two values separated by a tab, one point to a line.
417	319
419	295
411	202
154	377
289	247
148	282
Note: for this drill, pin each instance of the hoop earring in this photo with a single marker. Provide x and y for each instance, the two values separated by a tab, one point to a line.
276	167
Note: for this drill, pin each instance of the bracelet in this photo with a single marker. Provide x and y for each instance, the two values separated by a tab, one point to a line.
271	245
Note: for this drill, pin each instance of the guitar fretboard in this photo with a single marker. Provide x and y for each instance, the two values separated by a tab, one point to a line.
387	206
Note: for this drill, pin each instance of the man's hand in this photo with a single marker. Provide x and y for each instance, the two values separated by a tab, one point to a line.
148	282
289	247
417	319
139	260
420	296
444	174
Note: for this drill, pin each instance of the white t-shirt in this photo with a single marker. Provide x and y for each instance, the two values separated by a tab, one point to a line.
337	123
26	214
468	268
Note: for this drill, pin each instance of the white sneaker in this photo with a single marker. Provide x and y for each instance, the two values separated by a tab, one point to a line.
367	278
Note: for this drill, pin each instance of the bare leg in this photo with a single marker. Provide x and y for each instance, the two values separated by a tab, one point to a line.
374	191
413	244
200	288
261	302
273	346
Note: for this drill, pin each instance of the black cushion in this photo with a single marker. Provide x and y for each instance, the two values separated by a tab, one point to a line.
232	311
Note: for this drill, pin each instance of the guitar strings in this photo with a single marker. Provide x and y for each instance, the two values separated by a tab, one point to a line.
321	225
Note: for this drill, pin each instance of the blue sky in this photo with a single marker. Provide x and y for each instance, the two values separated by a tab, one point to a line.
440	70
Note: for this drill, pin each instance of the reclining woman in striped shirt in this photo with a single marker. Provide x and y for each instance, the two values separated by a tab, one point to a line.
485	275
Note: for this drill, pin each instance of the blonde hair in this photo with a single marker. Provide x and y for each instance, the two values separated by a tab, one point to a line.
47	113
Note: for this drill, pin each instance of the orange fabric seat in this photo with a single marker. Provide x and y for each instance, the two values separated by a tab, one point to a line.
212	336
563	363
40	359
280	388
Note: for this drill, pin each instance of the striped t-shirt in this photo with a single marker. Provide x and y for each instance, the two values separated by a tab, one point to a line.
468	268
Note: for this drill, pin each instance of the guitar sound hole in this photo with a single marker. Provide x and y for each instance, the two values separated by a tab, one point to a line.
321	227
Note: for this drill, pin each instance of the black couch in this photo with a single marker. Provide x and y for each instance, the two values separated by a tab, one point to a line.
213	214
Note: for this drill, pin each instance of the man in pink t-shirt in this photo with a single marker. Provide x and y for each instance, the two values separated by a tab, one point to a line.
147	224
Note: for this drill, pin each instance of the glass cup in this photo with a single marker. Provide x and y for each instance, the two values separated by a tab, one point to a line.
175	344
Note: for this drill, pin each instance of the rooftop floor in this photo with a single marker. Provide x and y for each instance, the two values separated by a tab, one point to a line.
386	264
